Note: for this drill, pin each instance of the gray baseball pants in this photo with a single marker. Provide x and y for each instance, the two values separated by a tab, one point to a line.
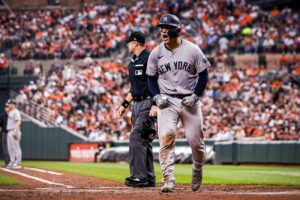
14	148
192	121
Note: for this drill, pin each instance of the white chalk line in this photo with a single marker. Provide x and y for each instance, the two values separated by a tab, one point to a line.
135	190
35	178
56	190
43	171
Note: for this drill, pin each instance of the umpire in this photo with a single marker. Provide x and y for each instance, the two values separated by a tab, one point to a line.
3	126
140	149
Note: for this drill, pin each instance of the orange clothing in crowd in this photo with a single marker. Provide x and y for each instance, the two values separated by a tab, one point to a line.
274	12
67	107
276	84
95	45
246	20
297	71
90	76
53	47
232	86
252	79
221	17
249	131
38	35
237	11
154	21
48	19
89	116
256	132
284	59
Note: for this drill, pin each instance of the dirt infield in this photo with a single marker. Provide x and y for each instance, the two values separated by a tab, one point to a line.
79	187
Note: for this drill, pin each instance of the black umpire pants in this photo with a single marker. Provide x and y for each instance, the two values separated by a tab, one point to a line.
140	149
4	147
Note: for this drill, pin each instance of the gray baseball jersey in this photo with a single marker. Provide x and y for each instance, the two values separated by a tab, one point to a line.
13	117
177	70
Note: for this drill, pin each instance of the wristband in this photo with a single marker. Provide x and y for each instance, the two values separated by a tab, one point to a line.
125	103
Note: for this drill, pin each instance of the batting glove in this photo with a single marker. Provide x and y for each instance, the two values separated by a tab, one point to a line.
189	101
161	102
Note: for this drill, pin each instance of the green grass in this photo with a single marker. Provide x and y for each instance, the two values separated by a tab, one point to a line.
8	181
213	174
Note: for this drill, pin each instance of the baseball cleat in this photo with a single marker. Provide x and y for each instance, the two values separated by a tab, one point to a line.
9	166
168	186
16	166
197	179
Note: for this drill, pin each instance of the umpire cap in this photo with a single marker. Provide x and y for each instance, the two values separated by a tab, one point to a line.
136	36
169	20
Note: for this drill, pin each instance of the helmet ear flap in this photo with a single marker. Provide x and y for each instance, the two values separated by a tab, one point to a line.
174	32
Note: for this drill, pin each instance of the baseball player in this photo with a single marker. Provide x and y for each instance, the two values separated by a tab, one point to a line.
177	76
14	135
140	149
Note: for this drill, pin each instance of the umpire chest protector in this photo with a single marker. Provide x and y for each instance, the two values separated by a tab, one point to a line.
137	74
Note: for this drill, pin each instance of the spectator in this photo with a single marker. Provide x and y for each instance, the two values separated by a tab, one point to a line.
3	64
28	69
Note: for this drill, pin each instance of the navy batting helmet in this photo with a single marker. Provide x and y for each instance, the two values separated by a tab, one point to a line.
172	23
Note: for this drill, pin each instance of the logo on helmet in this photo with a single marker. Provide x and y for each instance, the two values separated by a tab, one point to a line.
165	19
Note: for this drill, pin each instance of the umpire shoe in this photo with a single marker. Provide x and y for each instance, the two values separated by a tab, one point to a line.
169	186
151	182
135	182
197	179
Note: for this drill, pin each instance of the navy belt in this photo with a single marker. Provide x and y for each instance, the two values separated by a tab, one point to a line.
179	96
141	98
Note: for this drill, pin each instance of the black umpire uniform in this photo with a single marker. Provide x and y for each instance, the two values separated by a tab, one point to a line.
140	148
3	125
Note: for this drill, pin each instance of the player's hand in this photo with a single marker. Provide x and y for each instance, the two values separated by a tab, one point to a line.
161	102
153	111
189	101
15	135
120	111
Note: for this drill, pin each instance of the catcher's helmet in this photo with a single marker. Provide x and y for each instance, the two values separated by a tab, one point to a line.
173	24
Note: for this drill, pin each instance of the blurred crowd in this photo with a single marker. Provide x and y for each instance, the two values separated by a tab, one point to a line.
83	98
238	103
99	30
253	102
